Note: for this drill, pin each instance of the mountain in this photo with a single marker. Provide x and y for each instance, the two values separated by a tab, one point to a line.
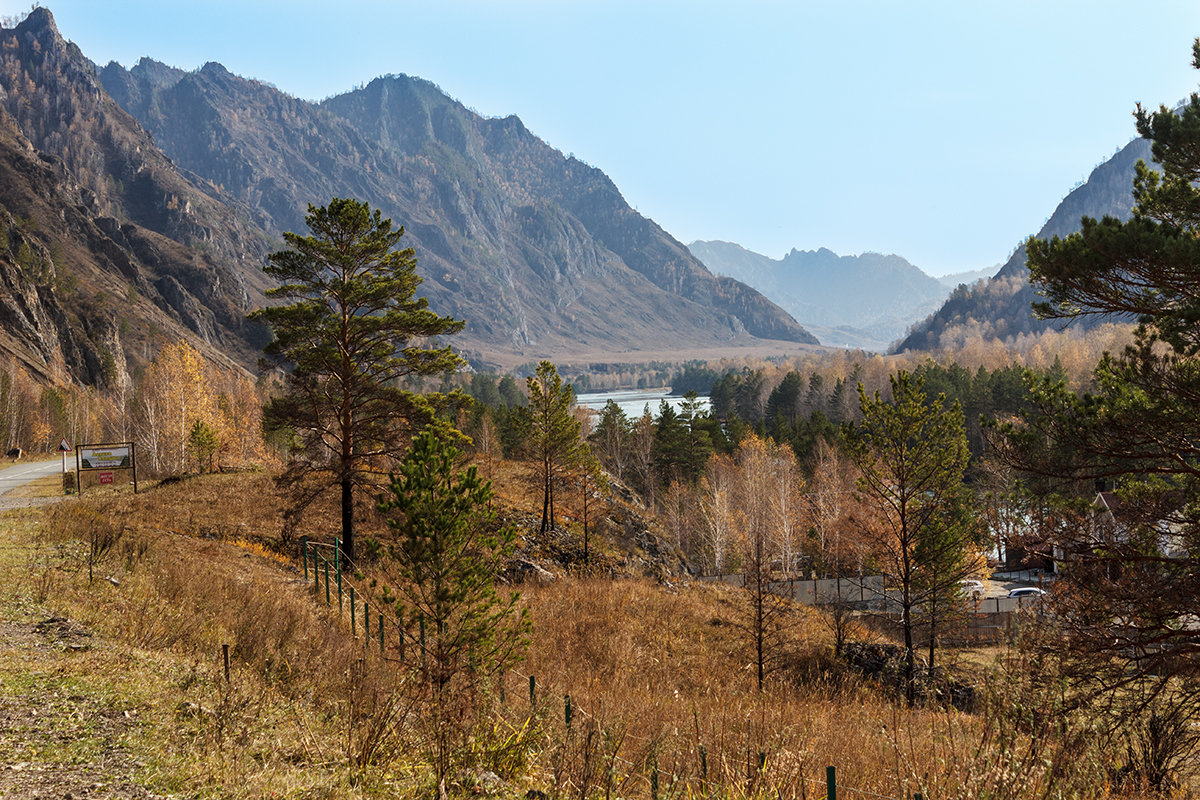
138	206
106	247
538	252
953	280
863	301
1001	306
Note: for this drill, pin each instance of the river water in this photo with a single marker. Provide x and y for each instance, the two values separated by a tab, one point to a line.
633	401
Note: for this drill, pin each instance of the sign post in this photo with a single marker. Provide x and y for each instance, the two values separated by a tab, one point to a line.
105	461
64	447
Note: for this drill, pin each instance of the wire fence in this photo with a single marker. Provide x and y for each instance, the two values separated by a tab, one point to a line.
329	584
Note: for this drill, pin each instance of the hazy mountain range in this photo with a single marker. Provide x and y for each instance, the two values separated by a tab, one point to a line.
866	301
139	205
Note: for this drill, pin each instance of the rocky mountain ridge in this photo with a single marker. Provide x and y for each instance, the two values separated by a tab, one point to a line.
108	248
535	250
1002	306
139	206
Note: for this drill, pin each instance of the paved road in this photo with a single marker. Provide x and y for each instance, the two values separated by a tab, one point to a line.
20	474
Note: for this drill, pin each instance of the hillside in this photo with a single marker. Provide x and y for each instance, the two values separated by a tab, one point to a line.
970	276
1001	306
108	248
123	233
866	301
538	252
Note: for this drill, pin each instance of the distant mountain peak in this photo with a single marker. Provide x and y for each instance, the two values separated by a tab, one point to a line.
1002	306
877	295
154	72
38	21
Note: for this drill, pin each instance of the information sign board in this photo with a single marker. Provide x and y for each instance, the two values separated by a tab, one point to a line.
109	464
105	456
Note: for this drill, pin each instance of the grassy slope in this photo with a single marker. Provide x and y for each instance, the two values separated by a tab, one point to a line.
657	675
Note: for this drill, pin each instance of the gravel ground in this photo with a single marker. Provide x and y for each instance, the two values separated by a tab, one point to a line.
57	741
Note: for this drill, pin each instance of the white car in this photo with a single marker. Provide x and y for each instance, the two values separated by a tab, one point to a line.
1026	591
971	586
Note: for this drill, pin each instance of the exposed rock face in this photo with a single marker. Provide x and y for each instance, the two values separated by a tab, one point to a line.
113	245
103	234
533	249
1001	306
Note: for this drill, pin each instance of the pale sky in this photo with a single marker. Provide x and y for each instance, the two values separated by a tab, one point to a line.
944	132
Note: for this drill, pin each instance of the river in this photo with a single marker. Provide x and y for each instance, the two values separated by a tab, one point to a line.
634	401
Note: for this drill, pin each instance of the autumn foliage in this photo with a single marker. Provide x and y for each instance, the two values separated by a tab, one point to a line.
157	411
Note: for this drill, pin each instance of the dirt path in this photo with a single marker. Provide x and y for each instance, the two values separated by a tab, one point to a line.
60	738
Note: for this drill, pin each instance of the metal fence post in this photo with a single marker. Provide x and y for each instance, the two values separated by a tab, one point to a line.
831	783
353	621
381	633
326	564
304	555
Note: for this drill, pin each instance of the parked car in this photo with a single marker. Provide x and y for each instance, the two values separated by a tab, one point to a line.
1026	591
971	586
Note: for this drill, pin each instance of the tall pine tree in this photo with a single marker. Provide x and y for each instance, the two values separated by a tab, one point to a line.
912	453
352	330
554	433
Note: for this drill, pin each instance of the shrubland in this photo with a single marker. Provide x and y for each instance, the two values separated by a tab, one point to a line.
662	693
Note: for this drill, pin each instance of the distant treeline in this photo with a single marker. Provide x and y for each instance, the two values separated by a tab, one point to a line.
793	408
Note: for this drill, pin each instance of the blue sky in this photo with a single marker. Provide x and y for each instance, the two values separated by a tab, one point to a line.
944	132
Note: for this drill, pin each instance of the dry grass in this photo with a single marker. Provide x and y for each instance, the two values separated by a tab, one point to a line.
663	678
662	692
159	608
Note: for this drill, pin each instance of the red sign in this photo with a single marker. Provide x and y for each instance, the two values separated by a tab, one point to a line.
106	477
63	447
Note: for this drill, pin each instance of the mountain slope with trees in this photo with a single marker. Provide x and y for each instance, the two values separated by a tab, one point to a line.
1002	306
115	246
109	249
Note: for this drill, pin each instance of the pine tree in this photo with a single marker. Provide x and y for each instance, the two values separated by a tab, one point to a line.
670	450
204	443
449	550
611	438
912	454
1129	587
700	428
352	331
554	433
